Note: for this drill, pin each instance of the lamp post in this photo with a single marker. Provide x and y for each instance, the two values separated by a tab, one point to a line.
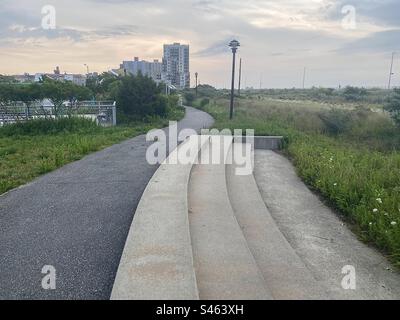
234	45
196	75
240	77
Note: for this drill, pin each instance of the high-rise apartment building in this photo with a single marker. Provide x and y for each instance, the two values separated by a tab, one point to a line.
175	65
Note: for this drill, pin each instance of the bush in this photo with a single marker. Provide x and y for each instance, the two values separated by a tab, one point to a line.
336	120
48	126
204	102
354	93
189	98
139	97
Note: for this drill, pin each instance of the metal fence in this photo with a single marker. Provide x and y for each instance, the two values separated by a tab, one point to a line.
103	112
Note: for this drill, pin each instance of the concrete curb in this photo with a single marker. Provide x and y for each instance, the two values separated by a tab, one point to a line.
157	262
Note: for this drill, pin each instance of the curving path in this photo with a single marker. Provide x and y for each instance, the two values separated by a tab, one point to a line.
76	219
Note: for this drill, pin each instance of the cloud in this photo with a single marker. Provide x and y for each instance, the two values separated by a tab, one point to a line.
217	48
21	32
385	41
278	37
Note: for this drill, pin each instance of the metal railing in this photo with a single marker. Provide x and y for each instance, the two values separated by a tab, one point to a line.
103	112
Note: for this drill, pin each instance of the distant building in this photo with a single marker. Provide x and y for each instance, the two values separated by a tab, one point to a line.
146	68
175	65
77	79
25	78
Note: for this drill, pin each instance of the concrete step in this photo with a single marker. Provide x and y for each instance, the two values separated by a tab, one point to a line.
225	268
285	275
157	262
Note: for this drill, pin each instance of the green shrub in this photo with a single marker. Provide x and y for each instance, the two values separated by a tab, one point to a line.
393	106
139	97
204	102
48	126
354	93
189	98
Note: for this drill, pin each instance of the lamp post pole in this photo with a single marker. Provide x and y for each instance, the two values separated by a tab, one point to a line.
391	71
240	77
234	44
197	75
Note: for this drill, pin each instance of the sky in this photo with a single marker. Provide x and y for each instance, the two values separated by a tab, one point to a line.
342	42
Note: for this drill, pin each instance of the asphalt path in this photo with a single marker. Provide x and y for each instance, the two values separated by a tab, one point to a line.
76	219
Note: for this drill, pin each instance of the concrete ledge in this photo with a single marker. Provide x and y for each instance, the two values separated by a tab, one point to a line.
157	262
262	142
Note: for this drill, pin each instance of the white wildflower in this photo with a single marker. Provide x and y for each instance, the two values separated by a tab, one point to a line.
375	210
379	200
393	223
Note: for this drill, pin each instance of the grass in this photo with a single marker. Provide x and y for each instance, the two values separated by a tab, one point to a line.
28	150
349	156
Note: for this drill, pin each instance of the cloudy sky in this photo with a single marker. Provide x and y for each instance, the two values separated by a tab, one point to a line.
337	44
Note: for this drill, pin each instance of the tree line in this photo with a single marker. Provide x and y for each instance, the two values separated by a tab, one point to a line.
137	97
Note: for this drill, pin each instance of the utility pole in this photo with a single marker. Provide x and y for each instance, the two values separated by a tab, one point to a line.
87	68
196	75
304	78
391	71
234	44
240	75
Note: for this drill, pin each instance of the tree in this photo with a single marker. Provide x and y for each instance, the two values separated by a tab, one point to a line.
28	94
139	96
53	91
7	79
74	93
189	97
59	92
104	86
393	106
7	93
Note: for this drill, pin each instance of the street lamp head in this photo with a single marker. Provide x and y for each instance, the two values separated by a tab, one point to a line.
234	45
